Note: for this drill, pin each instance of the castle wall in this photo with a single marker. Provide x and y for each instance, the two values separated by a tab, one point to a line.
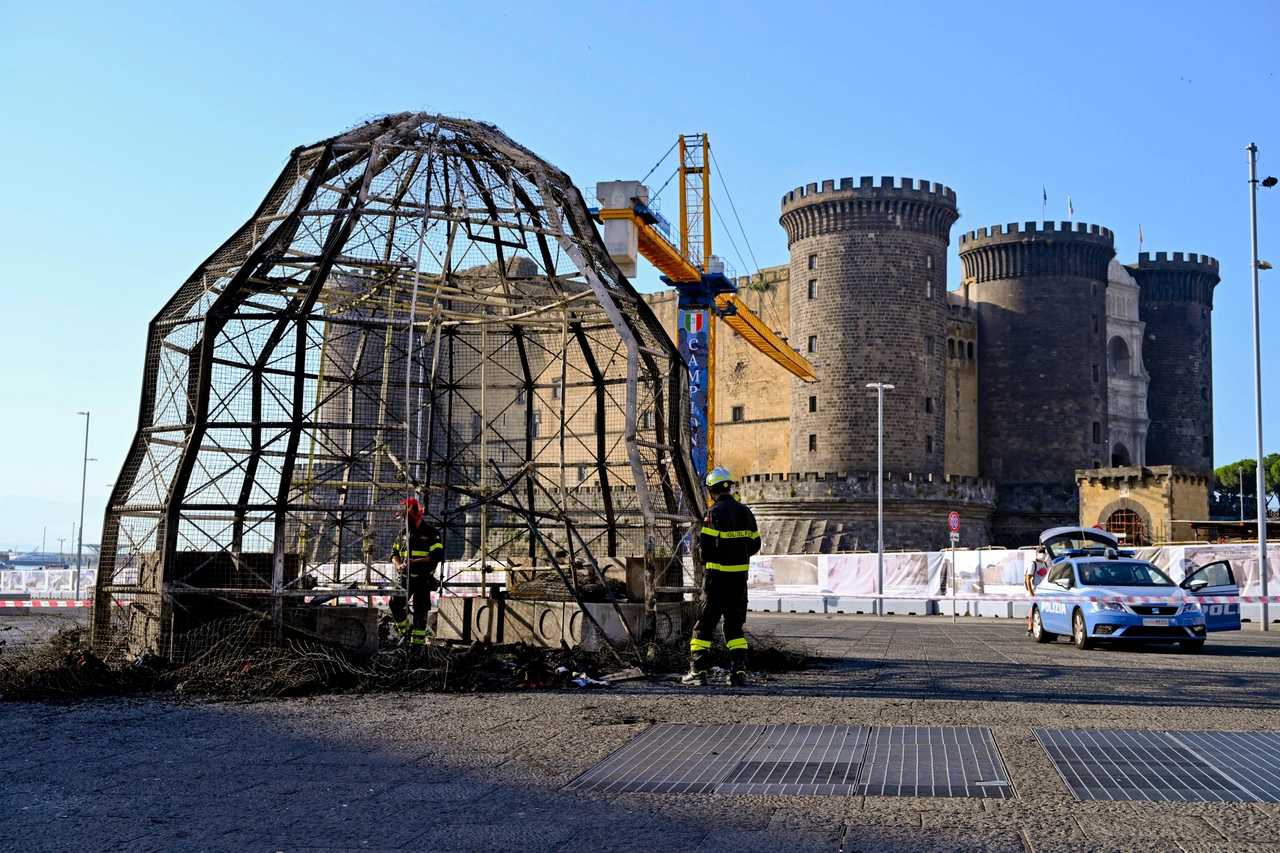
1176	303
829	513
1041	300
868	303
962	388
1159	495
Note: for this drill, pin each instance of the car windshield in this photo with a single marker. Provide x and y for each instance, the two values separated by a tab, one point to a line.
1077	541
1119	573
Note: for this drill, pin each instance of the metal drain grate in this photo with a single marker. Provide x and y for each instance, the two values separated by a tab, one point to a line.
812	760
921	761
1183	766
1251	759
672	759
830	761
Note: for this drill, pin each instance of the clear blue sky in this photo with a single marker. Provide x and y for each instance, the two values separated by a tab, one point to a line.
138	137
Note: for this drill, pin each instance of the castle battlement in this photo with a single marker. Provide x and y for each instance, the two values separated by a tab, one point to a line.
1178	261
1078	232
889	188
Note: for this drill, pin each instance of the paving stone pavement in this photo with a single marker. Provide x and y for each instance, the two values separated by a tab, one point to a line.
486	772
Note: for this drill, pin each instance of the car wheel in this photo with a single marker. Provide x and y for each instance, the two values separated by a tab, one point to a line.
1080	631
1192	647
1038	633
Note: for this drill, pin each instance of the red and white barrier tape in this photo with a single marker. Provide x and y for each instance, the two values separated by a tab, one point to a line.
50	602
1127	599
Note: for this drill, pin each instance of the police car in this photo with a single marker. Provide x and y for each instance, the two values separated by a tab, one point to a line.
1087	575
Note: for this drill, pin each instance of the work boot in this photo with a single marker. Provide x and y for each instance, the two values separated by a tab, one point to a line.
738	678
695	678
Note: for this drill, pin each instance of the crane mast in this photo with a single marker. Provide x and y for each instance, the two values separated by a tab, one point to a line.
631	227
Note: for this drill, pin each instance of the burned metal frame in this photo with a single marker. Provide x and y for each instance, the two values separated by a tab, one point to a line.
413	298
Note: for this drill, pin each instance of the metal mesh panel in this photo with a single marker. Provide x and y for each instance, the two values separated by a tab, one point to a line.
419	307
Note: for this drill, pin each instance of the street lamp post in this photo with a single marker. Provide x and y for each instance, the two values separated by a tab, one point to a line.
880	387
84	474
1257	378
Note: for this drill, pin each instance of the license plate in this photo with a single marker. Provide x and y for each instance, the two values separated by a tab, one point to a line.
1155	623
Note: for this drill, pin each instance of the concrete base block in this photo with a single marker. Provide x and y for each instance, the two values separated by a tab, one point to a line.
846	604
1252	613
804	604
764	605
910	607
1021	609
350	626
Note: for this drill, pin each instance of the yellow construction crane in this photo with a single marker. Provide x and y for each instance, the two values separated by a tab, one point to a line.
632	228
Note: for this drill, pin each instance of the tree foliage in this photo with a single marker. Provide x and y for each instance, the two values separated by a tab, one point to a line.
1227	478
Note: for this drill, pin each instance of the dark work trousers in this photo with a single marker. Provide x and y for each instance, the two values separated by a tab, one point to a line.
724	595
420	598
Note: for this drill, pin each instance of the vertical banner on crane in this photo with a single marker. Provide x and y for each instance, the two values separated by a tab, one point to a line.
693	338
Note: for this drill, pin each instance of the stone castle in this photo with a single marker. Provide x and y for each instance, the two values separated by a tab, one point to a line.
1052	357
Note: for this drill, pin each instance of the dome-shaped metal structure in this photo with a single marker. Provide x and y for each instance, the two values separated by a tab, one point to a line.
419	306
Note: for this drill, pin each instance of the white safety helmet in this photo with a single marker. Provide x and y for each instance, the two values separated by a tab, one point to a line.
719	475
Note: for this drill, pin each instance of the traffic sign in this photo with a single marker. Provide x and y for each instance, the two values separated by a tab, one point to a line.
955	538
953	521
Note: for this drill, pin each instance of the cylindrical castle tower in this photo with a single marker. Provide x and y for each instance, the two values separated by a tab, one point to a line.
1042	366
1176	303
869	304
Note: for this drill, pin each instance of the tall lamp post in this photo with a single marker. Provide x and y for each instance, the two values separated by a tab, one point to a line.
84	474
880	387
1254	267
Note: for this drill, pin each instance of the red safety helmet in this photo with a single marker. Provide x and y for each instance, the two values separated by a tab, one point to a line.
412	508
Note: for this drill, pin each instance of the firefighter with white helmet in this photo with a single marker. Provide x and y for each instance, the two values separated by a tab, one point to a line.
728	540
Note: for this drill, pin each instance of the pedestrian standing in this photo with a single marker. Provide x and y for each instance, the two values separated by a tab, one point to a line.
1037	570
417	554
728	540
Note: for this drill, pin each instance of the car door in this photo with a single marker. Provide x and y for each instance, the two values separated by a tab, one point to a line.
1052	594
1213	580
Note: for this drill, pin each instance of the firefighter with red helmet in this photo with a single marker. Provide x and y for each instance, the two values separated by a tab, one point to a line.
417	553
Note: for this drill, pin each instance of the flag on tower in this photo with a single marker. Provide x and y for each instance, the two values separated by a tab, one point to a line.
1071	208
1139	236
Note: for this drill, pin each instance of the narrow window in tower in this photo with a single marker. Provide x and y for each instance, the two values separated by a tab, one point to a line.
928	288
928	260
1204	392
1208	447
1094	319
813	343
970	351
537	422
928	405
737	414
951	347
813	443
928	444
813	288
520	397
1097	433
928	346
813	404
556	389
813	262
1093	288
582	473
1095	373
646	420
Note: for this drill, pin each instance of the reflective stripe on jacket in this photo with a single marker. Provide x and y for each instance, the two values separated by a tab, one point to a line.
729	536
424	546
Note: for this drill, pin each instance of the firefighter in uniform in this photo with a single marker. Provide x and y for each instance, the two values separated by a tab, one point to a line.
417	561
729	539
